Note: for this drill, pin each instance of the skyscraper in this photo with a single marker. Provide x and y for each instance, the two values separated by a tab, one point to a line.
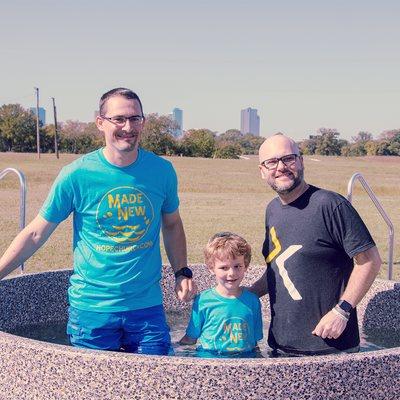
177	116
249	121
42	114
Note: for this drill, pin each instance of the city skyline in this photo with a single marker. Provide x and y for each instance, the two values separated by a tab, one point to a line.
177	117
249	121
302	65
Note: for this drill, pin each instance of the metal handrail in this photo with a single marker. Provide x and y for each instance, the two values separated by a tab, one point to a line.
359	177
22	198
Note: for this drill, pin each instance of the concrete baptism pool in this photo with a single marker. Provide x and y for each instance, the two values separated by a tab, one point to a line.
31	369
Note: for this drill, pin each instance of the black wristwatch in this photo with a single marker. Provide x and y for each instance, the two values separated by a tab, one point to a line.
345	306
185	271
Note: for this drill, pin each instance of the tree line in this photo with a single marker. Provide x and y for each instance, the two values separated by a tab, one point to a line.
326	142
18	134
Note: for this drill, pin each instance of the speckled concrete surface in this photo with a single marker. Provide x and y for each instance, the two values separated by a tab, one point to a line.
36	370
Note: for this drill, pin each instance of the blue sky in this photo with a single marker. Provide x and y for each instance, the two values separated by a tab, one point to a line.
302	64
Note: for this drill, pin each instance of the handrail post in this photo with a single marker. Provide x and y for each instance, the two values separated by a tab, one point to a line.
22	198
371	194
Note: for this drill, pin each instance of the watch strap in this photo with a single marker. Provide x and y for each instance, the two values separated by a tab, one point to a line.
345	306
185	271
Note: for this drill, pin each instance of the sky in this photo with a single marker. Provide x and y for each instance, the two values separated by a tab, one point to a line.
302	64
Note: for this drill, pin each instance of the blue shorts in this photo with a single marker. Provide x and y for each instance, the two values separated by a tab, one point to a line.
142	331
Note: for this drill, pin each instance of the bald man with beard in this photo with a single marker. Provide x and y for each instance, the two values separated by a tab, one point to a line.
321	259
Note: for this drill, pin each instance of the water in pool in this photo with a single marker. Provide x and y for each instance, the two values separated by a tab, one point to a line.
55	333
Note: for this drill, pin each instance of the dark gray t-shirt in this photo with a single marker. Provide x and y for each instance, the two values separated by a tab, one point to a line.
308	247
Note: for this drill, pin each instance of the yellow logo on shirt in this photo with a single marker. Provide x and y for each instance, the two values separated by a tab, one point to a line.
125	214
277	245
233	335
280	262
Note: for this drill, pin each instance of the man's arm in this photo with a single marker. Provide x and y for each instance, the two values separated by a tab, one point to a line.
366	268
175	247
26	243
260	287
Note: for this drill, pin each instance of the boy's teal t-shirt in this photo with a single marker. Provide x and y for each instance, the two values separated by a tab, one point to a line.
226	324
116	224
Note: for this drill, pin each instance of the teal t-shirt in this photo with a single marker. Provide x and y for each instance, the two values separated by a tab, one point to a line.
226	324
116	223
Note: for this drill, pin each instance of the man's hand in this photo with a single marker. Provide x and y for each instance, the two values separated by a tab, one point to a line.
185	288
331	326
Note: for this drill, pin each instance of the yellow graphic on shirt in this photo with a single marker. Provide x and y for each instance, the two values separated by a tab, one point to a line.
277	245
125	214
233	335
280	263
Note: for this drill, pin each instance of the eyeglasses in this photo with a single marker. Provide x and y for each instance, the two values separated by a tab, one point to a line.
121	120
287	160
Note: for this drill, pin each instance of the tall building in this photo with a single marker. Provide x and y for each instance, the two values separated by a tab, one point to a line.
249	121
177	116
42	114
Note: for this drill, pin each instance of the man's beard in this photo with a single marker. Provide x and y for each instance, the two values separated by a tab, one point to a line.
132	144
293	185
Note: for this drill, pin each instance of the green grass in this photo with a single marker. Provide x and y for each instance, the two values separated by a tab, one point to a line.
215	195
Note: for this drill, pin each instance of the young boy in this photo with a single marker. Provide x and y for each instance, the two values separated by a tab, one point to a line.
227	318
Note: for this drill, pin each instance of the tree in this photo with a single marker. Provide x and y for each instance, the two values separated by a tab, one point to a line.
17	129
251	143
248	143
362	137
227	150
79	137
328	143
394	146
158	136
388	144
198	143
389	134
325	143
355	149
231	135
308	146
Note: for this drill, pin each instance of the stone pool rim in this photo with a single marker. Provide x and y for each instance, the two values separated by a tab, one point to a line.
97	353
30	368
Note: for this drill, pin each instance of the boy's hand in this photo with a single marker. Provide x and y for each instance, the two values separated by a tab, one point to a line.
185	288
186	340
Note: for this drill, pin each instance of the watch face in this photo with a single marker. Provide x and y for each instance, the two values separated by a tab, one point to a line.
186	272
345	306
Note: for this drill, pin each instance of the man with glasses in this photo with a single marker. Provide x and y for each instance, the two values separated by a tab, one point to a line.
312	237
120	197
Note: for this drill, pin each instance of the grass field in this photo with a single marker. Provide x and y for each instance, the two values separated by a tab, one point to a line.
215	195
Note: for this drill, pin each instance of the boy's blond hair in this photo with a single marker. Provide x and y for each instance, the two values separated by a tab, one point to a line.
226	245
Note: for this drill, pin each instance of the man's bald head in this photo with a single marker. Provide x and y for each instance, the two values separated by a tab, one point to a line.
284	171
277	146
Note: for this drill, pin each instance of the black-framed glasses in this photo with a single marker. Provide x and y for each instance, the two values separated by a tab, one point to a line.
287	160
120	120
